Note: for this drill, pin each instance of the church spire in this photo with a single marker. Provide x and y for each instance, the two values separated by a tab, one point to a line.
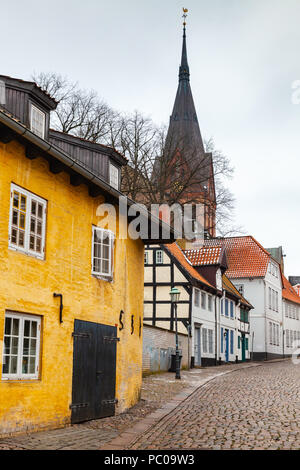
184	127
184	72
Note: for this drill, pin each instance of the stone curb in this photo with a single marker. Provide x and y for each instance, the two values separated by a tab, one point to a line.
129	437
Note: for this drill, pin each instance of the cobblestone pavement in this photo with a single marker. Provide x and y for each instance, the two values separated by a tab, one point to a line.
157	391
255	408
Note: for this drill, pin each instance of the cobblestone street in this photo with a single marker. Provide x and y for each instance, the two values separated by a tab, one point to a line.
245	406
256	408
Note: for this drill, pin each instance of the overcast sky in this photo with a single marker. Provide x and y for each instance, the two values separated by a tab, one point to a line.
243	56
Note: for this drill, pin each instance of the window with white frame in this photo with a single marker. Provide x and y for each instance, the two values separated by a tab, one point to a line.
203	300
197	298
21	346
231	309
270	333
113	176
146	258
210	341
287	338
159	257
210	303
27	222
274	334
37	121
103	253
226	308
204	340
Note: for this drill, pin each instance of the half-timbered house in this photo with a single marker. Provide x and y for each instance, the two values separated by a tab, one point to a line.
208	314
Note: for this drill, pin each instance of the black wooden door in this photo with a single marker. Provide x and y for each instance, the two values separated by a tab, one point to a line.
94	371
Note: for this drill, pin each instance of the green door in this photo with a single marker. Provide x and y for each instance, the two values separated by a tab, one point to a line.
243	348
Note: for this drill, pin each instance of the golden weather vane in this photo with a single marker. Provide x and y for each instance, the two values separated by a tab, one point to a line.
185	12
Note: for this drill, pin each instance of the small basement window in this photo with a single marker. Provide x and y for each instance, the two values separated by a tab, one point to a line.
37	121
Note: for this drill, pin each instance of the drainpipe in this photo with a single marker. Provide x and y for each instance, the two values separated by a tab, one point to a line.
283	325
216	332
236	328
265	311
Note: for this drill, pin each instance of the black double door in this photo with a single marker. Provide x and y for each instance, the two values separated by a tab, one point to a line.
94	371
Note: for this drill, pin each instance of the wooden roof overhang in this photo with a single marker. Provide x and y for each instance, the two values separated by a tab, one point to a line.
59	161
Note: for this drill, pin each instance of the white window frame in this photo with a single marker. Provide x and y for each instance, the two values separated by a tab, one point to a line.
114	176
19	375
231	309
146	258
203	300
210	341
101	274
39	112
210	302
204	340
159	257
197	297
29	198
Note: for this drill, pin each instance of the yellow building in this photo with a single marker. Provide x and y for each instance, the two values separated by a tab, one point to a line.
71	291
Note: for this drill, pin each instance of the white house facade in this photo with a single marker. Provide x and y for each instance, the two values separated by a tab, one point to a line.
258	277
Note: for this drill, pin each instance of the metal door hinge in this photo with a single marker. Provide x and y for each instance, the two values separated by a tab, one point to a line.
110	339
74	406
81	335
109	402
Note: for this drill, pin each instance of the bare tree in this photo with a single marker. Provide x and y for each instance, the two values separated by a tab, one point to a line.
225	200
79	112
161	168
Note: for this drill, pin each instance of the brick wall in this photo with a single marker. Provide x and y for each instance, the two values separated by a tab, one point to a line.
158	345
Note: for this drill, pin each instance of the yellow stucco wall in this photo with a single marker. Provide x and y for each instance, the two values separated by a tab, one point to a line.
27	286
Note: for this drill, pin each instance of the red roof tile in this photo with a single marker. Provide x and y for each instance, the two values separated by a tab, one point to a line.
288	292
206	255
245	256
176	251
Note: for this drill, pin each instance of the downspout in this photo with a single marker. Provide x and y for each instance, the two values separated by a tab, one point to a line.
236	329
265	311
283	325
216	332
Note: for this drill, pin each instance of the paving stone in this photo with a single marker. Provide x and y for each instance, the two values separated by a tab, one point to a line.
226	407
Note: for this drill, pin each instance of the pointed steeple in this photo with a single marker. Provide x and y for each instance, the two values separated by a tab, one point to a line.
184	144
184	72
184	128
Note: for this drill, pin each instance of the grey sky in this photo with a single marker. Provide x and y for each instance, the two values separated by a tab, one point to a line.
243	57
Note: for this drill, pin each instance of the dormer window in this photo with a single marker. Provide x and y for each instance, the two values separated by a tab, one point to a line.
113	176
37	121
